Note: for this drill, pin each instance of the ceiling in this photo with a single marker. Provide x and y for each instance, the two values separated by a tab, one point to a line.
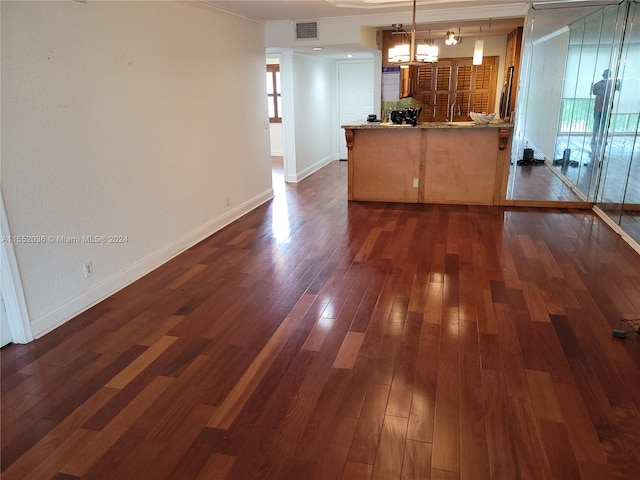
274	10
380	12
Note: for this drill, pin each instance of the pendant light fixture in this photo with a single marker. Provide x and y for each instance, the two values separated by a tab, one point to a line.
409	52
478	50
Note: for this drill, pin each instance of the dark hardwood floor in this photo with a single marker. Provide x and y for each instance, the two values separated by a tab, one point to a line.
320	339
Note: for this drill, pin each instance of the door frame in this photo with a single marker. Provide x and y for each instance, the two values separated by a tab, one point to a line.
11	285
377	92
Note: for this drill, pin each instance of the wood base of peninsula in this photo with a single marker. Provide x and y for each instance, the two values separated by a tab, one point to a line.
429	165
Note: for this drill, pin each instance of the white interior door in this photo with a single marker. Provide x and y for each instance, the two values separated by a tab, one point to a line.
355	96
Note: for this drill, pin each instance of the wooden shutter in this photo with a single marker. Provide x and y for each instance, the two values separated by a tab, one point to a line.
424	91
442	90
484	85
463	89
471	87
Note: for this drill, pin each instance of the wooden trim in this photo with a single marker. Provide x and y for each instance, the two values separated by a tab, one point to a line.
503	138
502	166
548	204
424	138
348	133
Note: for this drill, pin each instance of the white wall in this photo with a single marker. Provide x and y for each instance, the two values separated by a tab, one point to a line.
124	118
275	135
543	92
314	112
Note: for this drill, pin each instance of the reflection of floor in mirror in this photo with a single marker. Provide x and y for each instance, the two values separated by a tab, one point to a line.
631	224
539	182
619	155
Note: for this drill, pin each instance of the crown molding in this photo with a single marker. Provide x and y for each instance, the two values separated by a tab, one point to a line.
454	14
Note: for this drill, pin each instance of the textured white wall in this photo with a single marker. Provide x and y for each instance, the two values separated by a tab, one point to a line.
544	93
275	134
315	112
125	118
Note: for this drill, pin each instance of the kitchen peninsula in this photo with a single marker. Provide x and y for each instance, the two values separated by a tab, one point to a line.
433	162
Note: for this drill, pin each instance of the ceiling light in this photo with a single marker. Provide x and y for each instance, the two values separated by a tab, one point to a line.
477	50
426	52
451	38
349	55
408	52
317	48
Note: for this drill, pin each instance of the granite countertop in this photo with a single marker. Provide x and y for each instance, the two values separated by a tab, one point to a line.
378	125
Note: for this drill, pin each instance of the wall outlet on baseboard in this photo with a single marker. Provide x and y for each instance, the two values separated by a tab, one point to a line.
88	269
416	183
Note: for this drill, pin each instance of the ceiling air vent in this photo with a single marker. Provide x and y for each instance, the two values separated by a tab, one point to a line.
306	30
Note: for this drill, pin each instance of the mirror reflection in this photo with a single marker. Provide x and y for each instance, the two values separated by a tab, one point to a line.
576	139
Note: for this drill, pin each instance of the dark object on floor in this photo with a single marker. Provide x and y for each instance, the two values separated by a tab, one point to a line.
619	333
566	161
527	158
527	155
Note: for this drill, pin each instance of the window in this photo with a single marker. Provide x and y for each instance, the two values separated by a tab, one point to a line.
273	93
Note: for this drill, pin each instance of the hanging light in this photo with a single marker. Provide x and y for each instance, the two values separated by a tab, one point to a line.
427	51
452	39
409	52
477	50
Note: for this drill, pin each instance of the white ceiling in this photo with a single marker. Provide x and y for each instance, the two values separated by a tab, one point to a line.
274	10
468	15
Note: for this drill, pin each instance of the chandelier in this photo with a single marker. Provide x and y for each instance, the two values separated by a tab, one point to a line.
409	52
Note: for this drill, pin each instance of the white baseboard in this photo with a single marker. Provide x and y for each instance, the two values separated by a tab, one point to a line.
60	314
277	153
310	170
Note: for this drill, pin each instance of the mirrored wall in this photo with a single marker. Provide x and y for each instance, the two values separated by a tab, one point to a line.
576	138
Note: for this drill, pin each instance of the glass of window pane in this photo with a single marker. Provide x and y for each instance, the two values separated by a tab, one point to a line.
269	83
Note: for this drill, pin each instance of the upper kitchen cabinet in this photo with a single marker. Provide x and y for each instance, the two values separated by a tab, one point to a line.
512	73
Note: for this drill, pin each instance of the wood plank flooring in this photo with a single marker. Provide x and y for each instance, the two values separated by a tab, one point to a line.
320	339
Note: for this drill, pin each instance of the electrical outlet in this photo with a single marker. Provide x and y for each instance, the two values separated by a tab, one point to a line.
416	182
88	269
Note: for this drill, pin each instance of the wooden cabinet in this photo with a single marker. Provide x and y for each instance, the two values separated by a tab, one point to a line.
407	81
512	73
437	86
458	83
